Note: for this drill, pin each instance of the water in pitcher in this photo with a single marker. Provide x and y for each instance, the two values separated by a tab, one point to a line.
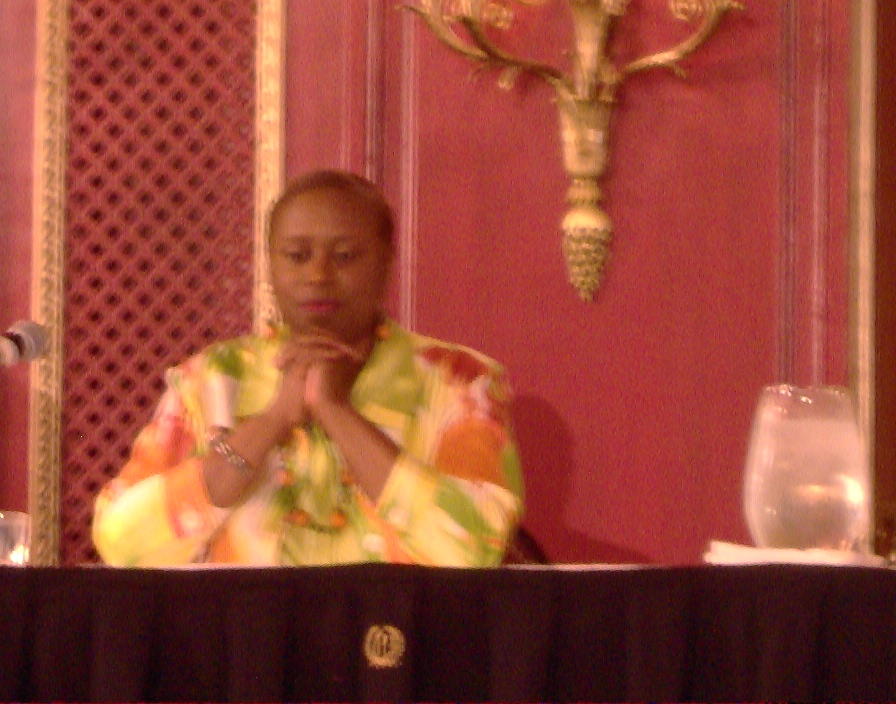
807	485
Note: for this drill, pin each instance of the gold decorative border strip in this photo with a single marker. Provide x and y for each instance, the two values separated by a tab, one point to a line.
269	140
785	344
373	118
410	132
47	278
819	185
863	167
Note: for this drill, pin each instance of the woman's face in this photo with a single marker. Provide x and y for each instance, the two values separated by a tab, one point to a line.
329	264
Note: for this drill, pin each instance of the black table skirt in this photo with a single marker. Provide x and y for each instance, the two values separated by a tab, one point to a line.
385	632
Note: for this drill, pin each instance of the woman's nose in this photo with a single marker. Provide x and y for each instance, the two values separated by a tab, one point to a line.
320	268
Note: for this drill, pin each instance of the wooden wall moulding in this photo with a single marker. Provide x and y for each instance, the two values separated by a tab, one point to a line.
45	435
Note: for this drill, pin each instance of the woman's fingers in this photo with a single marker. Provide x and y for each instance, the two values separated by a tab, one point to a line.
287	409
308	348
329	343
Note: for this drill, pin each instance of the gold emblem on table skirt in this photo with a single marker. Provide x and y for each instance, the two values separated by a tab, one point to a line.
383	646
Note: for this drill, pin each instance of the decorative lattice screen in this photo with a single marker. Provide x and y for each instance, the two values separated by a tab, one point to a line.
159	218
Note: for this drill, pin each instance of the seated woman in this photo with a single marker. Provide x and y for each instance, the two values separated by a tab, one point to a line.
339	437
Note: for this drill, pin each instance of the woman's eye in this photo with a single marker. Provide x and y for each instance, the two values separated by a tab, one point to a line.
346	254
298	255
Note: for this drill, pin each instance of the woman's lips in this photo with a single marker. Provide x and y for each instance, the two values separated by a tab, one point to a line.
321	306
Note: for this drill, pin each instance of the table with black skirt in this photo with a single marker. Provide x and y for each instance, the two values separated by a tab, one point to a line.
391	632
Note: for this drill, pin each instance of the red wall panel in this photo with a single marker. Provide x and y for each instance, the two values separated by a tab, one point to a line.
633	410
325	89
17	81
650	387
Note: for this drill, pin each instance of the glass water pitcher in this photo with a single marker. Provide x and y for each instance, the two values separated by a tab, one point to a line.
807	479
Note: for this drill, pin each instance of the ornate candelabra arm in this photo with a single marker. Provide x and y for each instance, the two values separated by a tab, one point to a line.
431	14
669	59
513	65
481	48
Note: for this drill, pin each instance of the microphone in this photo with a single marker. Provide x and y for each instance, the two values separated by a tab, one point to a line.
22	342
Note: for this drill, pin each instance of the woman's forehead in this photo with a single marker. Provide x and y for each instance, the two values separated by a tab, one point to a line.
322	200
329	204
319	209
326	211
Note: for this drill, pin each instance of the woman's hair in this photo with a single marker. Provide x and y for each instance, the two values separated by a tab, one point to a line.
347	184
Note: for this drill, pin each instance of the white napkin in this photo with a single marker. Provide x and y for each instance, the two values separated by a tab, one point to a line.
722	553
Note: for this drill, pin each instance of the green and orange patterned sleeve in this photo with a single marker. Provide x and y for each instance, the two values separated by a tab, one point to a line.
455	495
157	510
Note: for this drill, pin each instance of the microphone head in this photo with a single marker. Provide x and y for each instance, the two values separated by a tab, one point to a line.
31	338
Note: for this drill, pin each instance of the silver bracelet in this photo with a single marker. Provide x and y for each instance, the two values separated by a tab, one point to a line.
222	448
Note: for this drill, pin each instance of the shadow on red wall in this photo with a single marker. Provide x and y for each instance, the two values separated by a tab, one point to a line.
545	445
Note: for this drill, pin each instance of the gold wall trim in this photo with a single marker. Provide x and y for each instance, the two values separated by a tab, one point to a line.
47	277
801	347
410	176
863	164
374	143
269	141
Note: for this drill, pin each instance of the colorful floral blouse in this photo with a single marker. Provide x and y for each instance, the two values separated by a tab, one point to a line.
454	495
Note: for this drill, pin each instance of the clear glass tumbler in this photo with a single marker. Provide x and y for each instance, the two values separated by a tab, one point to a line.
15	538
807	479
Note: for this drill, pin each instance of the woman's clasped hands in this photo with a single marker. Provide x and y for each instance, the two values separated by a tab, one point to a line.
318	371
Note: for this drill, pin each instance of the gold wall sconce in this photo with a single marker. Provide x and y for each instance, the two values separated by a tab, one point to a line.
584	98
